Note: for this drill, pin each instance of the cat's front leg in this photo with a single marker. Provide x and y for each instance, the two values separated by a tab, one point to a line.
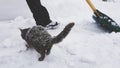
28	46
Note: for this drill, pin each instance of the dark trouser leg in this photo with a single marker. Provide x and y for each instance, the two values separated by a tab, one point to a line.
40	13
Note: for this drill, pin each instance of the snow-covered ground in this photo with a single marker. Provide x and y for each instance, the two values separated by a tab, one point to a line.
9	9
87	45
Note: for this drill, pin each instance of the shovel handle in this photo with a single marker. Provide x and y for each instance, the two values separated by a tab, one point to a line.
92	7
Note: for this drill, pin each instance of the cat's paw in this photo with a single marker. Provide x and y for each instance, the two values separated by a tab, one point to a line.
41	59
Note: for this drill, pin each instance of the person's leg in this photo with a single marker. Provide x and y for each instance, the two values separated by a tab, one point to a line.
40	13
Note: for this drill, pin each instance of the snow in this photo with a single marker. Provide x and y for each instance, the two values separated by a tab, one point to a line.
9	9
86	46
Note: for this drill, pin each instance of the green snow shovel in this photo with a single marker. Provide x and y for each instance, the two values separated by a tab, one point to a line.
105	21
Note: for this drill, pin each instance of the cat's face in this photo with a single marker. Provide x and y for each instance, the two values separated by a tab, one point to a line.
23	32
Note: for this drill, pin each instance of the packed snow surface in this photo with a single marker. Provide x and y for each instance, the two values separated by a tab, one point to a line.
86	46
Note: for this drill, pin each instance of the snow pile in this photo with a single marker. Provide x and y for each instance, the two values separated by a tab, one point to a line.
87	45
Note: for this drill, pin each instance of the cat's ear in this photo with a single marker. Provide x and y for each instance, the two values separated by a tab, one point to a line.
21	29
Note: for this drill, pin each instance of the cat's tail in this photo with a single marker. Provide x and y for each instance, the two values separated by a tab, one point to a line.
63	34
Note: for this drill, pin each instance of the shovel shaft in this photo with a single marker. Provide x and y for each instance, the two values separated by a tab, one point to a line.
92	7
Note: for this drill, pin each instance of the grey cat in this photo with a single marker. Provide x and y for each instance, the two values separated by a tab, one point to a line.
39	39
